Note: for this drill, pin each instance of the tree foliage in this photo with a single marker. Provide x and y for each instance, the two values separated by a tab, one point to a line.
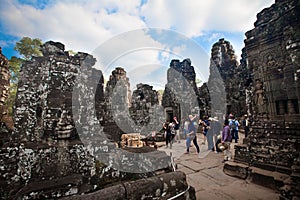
28	47
14	67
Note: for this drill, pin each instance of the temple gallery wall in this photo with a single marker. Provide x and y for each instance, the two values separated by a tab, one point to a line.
47	146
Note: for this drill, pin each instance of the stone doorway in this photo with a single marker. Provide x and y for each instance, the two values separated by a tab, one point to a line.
169	113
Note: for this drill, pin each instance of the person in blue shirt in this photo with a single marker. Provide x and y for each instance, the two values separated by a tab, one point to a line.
191	135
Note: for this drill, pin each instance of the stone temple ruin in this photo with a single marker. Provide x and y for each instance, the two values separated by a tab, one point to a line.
58	147
270	155
181	95
46	155
6	123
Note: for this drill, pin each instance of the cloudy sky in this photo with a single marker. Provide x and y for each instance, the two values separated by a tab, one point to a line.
142	36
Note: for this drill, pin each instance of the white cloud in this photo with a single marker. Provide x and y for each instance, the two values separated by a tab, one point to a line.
80	26
193	17
83	25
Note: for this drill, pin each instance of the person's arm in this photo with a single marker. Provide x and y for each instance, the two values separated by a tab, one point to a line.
194	118
190	133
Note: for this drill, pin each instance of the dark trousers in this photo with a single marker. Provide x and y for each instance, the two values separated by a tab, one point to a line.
247	129
195	143
168	138
235	135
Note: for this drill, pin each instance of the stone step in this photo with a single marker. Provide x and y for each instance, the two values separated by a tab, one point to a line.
266	178
236	169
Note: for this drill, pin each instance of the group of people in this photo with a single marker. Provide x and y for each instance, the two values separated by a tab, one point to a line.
212	130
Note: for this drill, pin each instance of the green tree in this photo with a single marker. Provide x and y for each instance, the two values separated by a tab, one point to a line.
160	92
28	47
14	68
198	81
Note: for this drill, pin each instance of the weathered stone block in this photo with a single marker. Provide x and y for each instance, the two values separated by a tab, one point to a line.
236	169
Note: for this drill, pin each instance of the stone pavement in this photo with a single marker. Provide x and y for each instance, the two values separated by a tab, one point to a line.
205	173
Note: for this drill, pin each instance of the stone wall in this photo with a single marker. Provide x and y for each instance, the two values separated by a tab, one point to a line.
44	147
4	78
58	147
181	95
271	153
165	186
6	124
145	110
226	74
204	96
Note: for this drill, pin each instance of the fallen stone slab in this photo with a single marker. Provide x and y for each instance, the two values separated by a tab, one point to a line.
171	185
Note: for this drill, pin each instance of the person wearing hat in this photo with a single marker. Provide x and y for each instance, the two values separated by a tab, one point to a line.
226	140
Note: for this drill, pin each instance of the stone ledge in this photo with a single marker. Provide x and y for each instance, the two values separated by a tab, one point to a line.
273	180
159	187
235	169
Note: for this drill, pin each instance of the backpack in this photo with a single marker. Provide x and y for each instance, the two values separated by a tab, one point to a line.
233	125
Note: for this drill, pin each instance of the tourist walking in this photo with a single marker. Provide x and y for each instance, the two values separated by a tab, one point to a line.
226	140
172	127
185	128
216	129
167	129
191	136
176	128
206	125
234	128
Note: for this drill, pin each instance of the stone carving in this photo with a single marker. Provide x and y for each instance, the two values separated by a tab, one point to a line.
270	154
181	86
259	97
45	158
111	128
227	78
4	78
6	122
142	99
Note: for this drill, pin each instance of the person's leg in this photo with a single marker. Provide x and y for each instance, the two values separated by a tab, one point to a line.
247	131
228	151
236	136
214	143
184	133
232	134
204	138
209	137
177	136
168	135
196	144
188	144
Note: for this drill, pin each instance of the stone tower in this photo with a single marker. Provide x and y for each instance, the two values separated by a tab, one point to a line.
181	95
225	73
270	155
122	92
